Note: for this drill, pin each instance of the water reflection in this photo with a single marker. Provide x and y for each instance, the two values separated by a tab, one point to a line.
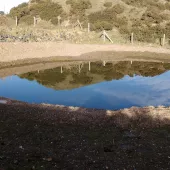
110	85
75	76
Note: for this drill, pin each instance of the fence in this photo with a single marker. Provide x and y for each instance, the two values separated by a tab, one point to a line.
104	34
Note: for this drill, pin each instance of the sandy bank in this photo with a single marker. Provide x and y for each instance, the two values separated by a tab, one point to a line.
17	51
85	114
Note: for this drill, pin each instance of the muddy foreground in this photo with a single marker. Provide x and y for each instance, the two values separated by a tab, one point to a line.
57	137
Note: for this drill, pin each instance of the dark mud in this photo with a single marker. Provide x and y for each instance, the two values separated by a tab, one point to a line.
57	137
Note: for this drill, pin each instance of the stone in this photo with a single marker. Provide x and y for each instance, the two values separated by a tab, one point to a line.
3	102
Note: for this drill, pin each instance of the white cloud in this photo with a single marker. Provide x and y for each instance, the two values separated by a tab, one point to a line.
8	4
140	90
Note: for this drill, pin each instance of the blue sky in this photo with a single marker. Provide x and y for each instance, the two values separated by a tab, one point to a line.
8	4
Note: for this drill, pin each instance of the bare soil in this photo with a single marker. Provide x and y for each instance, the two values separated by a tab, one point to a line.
57	137
18	51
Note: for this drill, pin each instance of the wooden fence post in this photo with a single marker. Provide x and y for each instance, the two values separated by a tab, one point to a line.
61	69
131	38
34	21
163	40
16	20
79	24
104	36
59	20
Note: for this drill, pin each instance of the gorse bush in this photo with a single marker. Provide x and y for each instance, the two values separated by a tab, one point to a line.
147	32
118	9
47	10
28	19
152	16
107	19
108	4
102	25
78	8
20	11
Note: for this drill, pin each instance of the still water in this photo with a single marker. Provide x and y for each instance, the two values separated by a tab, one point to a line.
115	85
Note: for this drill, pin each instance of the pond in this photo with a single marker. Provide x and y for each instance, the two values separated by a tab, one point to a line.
110	85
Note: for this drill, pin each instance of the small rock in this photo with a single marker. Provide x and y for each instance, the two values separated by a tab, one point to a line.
130	134
15	161
49	159
3	102
109	148
20	147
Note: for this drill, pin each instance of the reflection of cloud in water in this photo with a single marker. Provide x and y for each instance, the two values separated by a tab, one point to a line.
141	90
161	82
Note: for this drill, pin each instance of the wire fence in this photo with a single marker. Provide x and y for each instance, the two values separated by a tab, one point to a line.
162	40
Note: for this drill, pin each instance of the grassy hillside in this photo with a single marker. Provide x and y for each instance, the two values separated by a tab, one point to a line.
147	19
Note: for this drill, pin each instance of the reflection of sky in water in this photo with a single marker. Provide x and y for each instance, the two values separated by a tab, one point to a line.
116	94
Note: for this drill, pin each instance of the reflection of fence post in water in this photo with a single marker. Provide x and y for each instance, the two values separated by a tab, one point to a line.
89	66
79	68
61	69
104	63
88	27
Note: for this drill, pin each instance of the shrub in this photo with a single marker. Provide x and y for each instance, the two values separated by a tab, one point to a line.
147	33
23	5
167	30
118	9
78	8
102	25
108	4
27	20
121	21
54	21
108	18
48	10
3	20
36	1
152	15
20	11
